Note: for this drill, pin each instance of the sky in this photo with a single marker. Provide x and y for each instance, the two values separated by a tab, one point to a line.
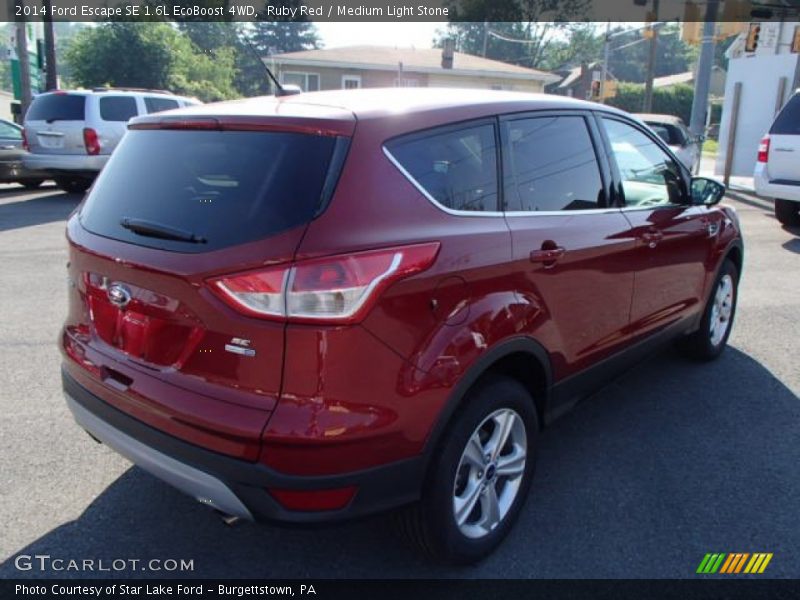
419	35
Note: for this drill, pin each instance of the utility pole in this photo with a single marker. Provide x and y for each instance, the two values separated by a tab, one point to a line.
24	67
705	65
604	72
51	82
485	38
647	106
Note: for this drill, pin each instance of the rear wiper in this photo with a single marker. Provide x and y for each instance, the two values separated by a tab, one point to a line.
157	230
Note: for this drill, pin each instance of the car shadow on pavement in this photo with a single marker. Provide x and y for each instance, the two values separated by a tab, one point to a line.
55	206
672	461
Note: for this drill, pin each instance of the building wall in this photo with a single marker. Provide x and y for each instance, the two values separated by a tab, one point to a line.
760	75
331	78
6	99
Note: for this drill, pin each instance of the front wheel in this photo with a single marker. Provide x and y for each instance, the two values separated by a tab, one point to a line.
73	185
708	342
479	478
787	212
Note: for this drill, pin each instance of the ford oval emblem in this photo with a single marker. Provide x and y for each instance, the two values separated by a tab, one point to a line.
119	295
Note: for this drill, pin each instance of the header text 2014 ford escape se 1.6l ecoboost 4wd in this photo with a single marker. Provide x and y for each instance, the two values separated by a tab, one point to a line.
325	305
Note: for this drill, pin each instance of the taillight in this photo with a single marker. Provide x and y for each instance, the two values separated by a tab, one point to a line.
336	289
25	145
763	150
91	141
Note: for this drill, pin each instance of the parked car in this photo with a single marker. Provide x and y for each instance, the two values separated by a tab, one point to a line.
71	134
676	135
11	153
332	304
777	172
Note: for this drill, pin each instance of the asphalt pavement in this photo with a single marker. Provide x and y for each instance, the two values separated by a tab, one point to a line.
672	461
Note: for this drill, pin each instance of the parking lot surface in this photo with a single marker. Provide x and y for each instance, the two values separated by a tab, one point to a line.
672	461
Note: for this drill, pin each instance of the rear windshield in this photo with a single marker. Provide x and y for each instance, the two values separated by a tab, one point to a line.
671	134
57	107
788	120
225	187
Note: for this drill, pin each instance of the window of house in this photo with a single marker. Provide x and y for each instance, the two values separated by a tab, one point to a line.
351	82
456	167
550	164
406	82
308	82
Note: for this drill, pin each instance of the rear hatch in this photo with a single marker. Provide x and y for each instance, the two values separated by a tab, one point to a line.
784	149
173	208
54	123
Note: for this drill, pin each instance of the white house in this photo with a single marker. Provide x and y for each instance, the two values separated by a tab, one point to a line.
768	77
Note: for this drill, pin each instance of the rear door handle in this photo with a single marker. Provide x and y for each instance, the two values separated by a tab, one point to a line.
547	256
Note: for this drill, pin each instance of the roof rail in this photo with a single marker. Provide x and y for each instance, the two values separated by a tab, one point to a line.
131	89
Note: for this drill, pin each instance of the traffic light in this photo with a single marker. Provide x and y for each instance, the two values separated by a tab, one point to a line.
752	37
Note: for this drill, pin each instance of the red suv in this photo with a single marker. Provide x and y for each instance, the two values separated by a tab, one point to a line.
320	306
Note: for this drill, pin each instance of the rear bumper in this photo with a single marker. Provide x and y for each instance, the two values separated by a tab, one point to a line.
15	171
235	486
772	189
65	163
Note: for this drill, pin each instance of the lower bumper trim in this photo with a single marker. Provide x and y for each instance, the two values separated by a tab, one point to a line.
197	484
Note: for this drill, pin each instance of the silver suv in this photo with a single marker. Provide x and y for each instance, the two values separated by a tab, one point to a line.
71	134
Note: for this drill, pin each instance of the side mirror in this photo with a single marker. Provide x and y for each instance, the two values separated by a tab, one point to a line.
706	191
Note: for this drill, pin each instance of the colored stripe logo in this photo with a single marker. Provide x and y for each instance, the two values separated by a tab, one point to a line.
734	563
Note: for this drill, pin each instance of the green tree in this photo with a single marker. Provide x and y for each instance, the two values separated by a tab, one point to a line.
150	55
674	100
275	37
628	59
530	28
250	77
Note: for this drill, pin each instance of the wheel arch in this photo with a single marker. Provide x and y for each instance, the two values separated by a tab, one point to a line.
521	358
736	255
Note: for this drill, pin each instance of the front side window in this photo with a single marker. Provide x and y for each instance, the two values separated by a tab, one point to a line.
456	167
550	164
649	175
118	108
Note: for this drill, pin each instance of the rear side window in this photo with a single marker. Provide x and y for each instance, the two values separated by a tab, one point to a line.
117	108
550	164
224	187
57	107
456	167
153	104
788	120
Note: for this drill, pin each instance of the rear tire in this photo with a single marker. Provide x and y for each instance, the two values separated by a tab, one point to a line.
787	212
708	342
73	185
485	484
32	184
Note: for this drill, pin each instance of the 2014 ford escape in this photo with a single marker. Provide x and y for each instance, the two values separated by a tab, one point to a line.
321	306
